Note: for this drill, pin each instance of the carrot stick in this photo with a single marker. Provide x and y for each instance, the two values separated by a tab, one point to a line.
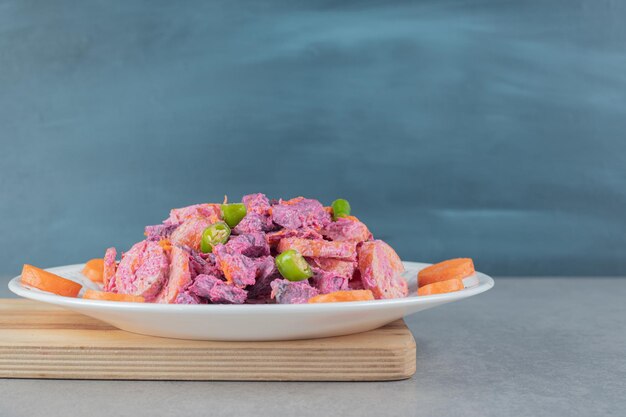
458	268
441	287
110	296
341	296
47	281
94	269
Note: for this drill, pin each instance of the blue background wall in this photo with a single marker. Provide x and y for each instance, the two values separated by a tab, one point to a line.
491	129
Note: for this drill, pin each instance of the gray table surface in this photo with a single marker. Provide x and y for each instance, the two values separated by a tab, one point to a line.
529	347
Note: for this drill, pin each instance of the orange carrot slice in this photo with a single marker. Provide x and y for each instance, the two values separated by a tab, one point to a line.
94	269
341	296
441	287
458	268
110	296
47	281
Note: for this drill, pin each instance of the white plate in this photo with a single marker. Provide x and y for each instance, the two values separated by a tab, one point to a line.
249	321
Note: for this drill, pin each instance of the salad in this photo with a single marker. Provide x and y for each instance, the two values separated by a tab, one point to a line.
257	251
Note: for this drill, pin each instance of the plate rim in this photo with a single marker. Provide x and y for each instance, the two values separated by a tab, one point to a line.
485	283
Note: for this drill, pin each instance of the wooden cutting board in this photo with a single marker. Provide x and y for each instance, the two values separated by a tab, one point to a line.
38	340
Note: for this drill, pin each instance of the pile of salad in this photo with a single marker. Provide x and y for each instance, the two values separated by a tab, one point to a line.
257	251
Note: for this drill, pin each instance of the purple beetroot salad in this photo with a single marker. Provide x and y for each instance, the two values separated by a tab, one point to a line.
175	265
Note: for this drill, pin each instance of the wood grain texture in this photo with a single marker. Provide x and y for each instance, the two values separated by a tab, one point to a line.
43	341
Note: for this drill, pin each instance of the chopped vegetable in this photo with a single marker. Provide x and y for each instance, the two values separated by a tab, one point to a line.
441	287
381	270
110	267
341	296
458	268
237	268
292	266
233	213
336	267
213	235
189	232
94	269
347	228
341	208
109	296
318	248
179	276
47	281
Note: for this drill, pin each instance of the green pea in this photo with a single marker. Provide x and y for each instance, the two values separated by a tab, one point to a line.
214	234
292	266
341	208
233	213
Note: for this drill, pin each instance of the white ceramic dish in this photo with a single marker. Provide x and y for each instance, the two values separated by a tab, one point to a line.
251	322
